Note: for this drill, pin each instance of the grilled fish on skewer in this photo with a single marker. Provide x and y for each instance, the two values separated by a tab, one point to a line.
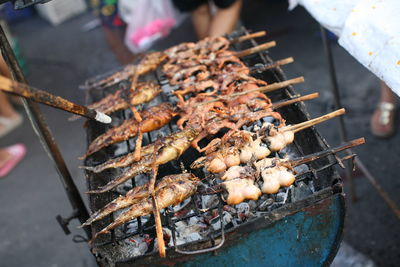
149	63
172	194
124	99
152	119
172	140
165	154
134	196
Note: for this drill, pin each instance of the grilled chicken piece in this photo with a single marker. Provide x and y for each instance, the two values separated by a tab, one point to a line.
152	119
171	142
165	154
136	195
171	194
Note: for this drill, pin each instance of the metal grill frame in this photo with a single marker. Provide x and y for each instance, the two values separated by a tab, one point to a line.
326	180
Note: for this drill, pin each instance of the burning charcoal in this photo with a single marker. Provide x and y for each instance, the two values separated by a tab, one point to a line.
135	246
281	197
252	204
230	209
301	191
301	168
274	206
133	225
187	233
243	211
141	179
264	205
209	201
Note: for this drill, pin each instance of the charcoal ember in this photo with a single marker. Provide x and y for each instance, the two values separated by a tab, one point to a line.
141	179
265	204
281	197
301	168
243	211
132	226
209	201
230	209
136	245
187	232
301	191
274	206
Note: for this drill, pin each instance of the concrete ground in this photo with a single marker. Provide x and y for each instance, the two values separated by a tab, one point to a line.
60	58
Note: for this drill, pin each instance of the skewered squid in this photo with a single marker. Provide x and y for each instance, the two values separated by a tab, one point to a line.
152	119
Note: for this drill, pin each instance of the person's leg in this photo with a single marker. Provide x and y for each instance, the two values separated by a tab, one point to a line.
201	19
6	110
382	121
225	19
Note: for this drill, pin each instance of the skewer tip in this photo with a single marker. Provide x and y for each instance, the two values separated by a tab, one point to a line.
103	118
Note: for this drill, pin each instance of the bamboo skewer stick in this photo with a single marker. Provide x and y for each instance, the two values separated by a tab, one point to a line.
275	64
248	37
300	126
317	155
294	100
265	89
46	98
156	210
255	49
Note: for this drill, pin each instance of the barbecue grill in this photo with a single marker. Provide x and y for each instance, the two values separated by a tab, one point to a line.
301	224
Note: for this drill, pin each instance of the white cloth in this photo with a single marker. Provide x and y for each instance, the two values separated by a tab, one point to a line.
368	29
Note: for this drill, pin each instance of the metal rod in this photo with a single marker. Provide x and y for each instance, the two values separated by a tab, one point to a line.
378	187
338	105
45	136
40	96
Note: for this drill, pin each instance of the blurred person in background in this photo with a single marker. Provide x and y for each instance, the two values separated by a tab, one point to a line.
206	23
10	119
383	119
114	28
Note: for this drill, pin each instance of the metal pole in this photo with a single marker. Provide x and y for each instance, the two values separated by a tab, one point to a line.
338	105
45	136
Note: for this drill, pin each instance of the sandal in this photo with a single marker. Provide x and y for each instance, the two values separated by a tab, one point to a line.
17	152
382	121
9	124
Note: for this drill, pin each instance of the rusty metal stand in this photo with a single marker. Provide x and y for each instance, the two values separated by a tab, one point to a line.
343	133
338	105
46	138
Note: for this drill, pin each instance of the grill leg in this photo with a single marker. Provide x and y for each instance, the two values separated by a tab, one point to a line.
45	136
338	105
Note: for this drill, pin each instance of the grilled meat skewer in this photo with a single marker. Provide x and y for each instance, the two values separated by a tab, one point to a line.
165	154
134	196
172	194
153	118
173	140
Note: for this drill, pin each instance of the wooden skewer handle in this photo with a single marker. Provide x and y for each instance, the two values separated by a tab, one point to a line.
255	49
312	157
300	126
46	98
249	36
294	100
159	232
272	65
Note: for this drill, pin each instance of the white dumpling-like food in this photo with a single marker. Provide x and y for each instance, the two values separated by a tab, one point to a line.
240	190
